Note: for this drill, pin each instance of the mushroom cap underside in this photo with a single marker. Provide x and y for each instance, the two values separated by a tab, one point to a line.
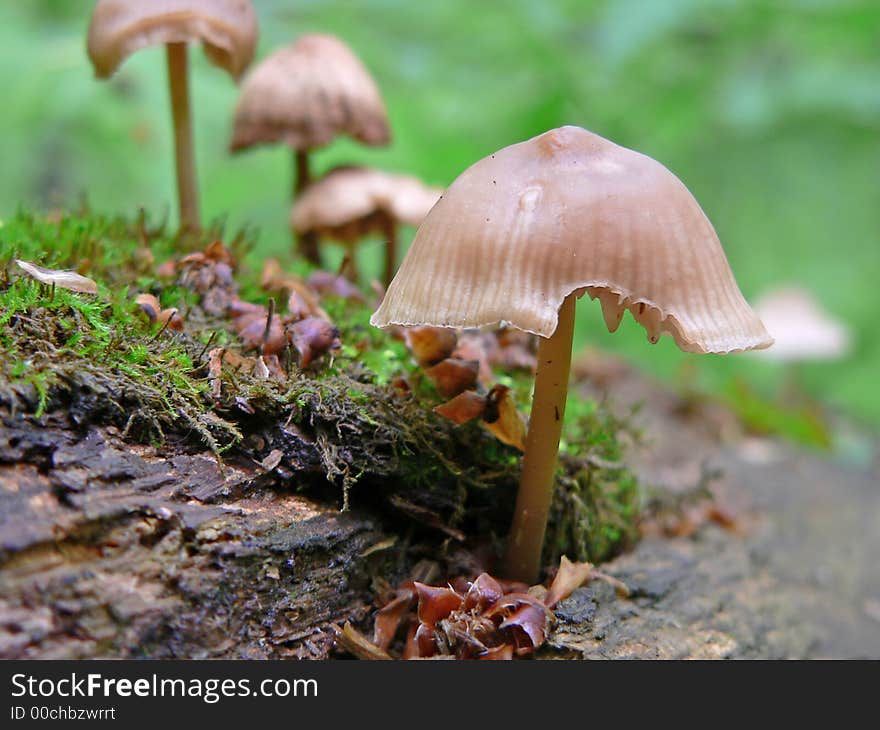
348	195
119	28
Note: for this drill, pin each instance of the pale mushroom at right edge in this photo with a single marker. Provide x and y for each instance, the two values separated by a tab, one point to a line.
523	233
802	329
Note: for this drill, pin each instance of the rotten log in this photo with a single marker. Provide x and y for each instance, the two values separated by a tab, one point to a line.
109	549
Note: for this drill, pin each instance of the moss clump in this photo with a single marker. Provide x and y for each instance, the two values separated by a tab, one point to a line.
597	501
97	357
347	423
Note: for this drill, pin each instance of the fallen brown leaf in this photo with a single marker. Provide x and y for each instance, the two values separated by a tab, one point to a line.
569	576
502	419
430	345
453	376
463	408
354	642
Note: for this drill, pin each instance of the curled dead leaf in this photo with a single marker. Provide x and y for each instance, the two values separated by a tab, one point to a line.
482	593
167	269
502	419
480	346
272	460
169	317
237	308
463	408
216	251
430	345
298	307
334	285
453	376
389	617
312	337
569	576
251	328
435	602
517	350
527	623
149	305
215	370
261	370
354	642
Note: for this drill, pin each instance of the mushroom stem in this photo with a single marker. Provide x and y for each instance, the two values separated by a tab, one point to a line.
178	86
390	227
302	171
307	243
522	560
349	268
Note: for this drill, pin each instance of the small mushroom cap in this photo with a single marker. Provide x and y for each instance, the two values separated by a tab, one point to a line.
306	94
801	328
227	29
348	195
569	211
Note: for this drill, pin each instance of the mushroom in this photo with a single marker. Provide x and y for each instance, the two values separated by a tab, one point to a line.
802	329
523	233
350	202
228	32
305	95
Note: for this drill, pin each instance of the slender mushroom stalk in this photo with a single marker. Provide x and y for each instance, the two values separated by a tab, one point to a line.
307	242
302	174
227	30
350	269
522	560
184	154
538	223
389	226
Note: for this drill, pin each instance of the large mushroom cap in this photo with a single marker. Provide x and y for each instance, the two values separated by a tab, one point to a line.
346	195
567	211
801	328
306	94
227	28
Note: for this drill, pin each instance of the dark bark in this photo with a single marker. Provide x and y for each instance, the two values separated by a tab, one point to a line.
114	550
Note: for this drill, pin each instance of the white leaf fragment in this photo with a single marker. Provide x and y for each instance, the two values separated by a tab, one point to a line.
60	278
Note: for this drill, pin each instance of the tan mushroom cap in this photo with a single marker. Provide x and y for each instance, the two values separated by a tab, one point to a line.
567	211
227	29
349	195
306	94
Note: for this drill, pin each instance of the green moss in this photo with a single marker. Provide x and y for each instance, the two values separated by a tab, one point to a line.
803	423
344	423
597	500
98	354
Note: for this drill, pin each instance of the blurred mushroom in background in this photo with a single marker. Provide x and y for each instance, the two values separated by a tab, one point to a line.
305	95
351	202
804	332
801	328
228	32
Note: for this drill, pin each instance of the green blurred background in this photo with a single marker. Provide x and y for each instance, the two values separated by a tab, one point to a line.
769	111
